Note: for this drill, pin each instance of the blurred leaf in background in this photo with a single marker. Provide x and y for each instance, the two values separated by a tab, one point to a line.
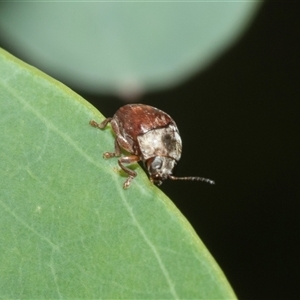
124	47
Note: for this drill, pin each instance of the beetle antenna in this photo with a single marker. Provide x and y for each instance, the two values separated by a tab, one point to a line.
192	178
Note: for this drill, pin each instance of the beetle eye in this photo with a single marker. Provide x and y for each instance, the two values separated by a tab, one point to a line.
156	164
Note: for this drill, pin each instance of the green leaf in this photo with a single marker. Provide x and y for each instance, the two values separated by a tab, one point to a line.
124	46
67	228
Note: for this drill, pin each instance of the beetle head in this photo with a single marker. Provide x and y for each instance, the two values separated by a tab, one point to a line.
160	168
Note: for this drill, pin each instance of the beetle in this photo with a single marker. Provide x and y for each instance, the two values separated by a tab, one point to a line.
148	135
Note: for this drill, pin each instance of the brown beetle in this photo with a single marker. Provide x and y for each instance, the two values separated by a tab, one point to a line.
149	135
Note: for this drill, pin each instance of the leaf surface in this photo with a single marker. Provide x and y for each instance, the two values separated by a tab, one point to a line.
68	229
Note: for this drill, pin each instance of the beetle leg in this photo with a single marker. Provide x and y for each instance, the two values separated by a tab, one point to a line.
128	160
100	125
113	154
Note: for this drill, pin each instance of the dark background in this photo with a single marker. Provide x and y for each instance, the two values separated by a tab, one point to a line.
239	121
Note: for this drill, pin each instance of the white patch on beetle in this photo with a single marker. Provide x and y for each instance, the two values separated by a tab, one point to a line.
161	142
